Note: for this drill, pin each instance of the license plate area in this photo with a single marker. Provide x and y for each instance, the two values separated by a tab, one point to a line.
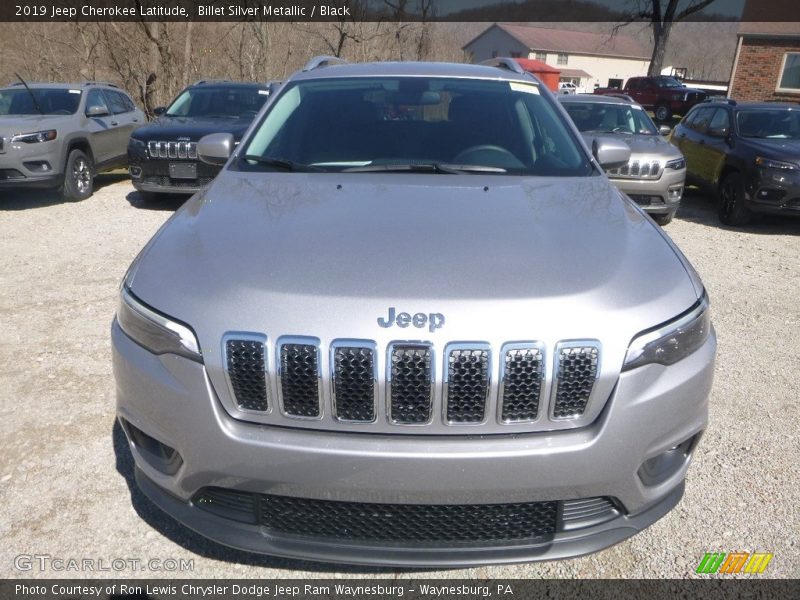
183	170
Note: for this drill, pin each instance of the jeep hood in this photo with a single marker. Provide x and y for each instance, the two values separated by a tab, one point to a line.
170	128
327	254
640	144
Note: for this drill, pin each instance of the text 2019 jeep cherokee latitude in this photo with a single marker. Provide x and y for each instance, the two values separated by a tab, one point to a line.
412	322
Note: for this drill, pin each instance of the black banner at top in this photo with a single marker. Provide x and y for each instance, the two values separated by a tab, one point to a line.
392	10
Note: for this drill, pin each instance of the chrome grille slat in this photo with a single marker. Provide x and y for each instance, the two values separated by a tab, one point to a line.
577	368
173	150
299	378
410	384
467	383
522	381
353	382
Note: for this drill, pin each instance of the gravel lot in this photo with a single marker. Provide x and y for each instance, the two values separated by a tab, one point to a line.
66	486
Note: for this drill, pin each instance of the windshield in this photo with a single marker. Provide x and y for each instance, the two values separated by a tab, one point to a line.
668	82
599	117
769	123
436	125
51	101
218	101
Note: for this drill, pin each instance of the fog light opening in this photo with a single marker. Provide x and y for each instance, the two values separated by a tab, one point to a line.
675	193
661	467
160	456
136	172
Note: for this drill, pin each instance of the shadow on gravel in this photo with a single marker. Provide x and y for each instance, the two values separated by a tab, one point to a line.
697	207
24	199
186	538
171	202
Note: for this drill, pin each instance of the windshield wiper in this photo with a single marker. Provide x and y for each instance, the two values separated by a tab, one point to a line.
442	168
35	101
280	163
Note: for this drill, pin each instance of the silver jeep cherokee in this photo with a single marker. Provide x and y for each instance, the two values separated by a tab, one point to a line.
411	323
654	176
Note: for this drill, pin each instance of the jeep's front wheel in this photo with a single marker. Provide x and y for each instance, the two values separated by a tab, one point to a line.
78	176
663	113
732	210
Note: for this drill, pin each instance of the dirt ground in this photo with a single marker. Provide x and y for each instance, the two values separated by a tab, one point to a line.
66	487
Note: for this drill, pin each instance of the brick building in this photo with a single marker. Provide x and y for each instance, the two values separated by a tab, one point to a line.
767	63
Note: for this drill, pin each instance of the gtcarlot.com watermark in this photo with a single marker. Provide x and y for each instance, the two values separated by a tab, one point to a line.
47	562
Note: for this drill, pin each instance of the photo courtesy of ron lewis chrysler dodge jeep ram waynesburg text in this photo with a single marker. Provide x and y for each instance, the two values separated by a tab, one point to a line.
411	322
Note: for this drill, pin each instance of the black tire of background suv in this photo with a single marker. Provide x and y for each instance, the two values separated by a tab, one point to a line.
663	219
666	116
70	189
732	210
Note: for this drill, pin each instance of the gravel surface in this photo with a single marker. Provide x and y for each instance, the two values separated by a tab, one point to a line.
66	487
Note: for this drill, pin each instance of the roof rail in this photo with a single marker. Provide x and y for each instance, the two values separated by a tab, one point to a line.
323	61
108	83
504	62
202	81
729	101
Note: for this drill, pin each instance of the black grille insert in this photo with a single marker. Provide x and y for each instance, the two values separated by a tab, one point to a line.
300	379
354	383
523	372
246	370
411	385
467	385
577	373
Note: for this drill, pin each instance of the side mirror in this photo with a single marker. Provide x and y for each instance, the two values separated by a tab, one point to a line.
664	130
97	111
610	153
215	148
718	132
159	110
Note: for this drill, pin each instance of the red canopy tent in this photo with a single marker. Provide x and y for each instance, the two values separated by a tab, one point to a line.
547	74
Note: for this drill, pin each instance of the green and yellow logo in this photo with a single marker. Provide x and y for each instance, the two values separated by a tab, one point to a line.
734	562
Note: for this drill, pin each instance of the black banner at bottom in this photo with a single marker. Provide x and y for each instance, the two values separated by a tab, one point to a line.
413	589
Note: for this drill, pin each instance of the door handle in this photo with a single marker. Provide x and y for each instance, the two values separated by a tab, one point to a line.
136	120
682	135
114	123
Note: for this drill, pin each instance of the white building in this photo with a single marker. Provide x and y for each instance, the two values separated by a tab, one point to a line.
587	59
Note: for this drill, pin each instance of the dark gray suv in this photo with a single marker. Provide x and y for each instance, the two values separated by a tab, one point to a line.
412	322
59	135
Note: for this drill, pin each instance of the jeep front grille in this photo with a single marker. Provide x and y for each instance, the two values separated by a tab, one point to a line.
299	378
176	150
467	384
247	373
637	169
576	372
411	385
354	382
355	385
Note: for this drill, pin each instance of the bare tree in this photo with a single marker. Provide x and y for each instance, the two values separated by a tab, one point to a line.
661	15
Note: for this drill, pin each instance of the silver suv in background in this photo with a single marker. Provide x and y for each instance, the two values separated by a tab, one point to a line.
59	135
411	322
655	174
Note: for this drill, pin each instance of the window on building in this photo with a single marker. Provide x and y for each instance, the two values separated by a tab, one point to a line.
541	56
515	54
494	53
790	72
562	59
615	83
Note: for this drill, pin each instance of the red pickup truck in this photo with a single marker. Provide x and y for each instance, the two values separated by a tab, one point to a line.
665	96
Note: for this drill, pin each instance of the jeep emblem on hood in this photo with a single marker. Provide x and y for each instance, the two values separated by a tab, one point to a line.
433	320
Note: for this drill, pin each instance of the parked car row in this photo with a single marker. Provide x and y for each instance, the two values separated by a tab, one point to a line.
60	135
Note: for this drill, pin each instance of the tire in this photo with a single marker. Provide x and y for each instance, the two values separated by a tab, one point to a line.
663	219
78	176
663	113
732	210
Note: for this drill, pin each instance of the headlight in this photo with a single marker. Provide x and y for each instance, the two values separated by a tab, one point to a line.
35	137
672	342
677	164
154	331
768	163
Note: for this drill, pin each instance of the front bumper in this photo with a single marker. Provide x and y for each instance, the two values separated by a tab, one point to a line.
30	165
660	196
652	410
154	176
774	192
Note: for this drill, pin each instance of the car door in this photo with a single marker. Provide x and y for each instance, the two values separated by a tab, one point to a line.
102	126
717	144
648	93
690	136
124	122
